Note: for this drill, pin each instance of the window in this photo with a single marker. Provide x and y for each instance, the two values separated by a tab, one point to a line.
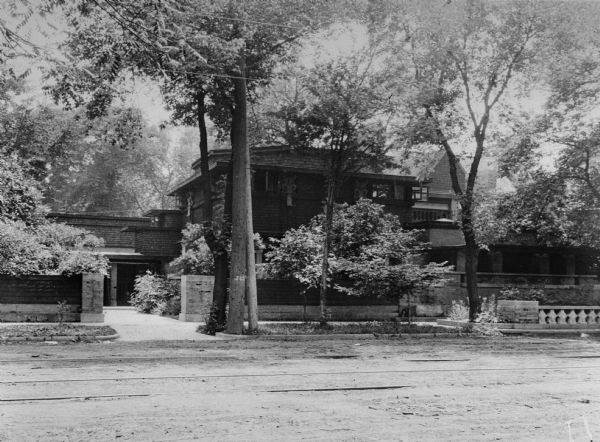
384	191
399	192
266	181
420	193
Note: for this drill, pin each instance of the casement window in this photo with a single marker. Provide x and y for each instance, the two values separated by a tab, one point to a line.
420	193
383	191
266	181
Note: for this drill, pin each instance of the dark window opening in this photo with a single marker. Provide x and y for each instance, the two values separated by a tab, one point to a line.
266	181
558	264
440	256
384	191
514	262
484	262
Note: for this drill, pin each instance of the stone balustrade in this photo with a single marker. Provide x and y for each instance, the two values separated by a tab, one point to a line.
568	314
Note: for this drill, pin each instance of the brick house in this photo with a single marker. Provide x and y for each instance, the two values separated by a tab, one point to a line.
288	188
133	245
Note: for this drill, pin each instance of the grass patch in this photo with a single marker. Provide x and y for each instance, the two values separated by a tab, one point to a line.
375	327
45	331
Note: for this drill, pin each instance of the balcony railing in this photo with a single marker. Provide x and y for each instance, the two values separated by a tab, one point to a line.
569	315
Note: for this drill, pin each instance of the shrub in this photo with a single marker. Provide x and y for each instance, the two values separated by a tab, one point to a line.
212	322
459	311
486	320
155	294
48	249
196	257
581	295
368	247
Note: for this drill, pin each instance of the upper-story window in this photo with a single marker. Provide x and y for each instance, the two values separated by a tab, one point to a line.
266	181
385	191
420	193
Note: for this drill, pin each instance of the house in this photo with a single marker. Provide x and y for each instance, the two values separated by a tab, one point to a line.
133	245
288	188
434	198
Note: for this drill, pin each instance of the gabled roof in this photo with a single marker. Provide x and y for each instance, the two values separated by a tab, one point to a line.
421	164
282	158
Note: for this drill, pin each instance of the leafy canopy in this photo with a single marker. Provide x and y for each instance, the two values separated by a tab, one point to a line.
367	245
48	249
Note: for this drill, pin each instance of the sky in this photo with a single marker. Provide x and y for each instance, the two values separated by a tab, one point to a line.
48	35
339	41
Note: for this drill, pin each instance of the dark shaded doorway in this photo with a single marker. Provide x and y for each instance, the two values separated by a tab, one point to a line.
126	274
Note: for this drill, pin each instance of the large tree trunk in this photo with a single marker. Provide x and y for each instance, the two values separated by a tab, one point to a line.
216	247
329	203
466	203
251	289
241	226
471	260
222	260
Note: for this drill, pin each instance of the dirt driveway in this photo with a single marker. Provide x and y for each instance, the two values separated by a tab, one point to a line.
259	390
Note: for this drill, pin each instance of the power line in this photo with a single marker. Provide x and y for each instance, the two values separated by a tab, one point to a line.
242	20
262	23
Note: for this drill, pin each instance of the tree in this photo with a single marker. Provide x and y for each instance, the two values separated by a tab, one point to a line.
342	115
114	164
20	196
459	61
48	249
196	257
545	208
198	50
366	244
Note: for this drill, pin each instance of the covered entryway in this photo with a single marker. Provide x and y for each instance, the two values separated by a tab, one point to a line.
122	280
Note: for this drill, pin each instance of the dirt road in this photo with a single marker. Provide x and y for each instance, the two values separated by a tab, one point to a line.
257	390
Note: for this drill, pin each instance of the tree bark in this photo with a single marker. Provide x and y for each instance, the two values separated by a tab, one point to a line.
222	259
241	227
219	252
204	168
466	205
251	290
471	255
329	202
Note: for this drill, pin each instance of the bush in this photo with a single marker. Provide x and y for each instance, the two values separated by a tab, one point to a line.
155	294
459	311
575	296
212	323
196	257
48	249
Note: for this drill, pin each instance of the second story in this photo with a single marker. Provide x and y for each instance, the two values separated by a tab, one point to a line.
288	188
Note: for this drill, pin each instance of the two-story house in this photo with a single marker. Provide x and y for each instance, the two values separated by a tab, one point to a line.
288	188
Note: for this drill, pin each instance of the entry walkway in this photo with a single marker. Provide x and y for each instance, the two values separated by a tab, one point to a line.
134	326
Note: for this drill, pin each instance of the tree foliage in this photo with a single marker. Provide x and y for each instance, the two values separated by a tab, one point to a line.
458	63
367	245
48	249
20	196
341	114
196	258
155	294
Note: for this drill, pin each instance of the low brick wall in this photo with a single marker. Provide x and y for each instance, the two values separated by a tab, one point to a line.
282	299
35	298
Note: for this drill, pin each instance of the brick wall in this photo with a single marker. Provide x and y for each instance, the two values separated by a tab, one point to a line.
288	292
40	289
157	241
34	298
110	228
